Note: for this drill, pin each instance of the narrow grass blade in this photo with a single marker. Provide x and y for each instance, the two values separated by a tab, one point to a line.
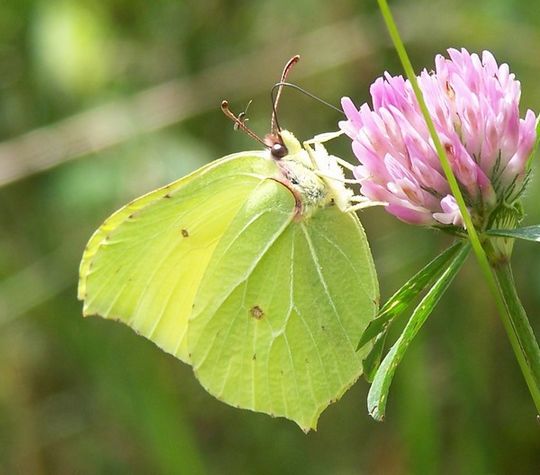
372	361
528	233
403	298
378	393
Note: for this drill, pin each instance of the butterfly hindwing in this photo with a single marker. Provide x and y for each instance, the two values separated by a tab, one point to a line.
280	337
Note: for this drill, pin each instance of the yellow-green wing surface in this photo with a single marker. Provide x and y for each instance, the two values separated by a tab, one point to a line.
220	270
144	265
281	308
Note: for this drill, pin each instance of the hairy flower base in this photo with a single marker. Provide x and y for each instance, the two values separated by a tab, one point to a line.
474	104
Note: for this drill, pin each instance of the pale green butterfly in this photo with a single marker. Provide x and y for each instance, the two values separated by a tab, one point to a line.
254	269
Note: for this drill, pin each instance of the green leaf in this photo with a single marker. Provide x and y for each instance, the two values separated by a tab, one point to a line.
529	233
378	393
403	298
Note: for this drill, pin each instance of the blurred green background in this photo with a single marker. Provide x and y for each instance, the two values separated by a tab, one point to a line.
101	101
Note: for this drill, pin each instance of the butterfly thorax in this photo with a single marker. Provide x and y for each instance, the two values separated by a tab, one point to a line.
303	169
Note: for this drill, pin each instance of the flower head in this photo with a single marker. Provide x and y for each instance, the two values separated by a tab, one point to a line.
474	104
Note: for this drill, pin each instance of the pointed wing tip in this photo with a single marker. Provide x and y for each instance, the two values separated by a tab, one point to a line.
307	427
88	313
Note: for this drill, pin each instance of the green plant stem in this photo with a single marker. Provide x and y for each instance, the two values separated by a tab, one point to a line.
518	328
512	331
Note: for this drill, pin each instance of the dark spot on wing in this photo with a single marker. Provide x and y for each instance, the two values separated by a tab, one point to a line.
185	233
168	195
254	356
256	312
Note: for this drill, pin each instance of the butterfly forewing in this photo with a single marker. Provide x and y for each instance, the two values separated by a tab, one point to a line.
144	264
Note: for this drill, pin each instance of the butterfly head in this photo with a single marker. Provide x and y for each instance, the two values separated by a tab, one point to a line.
277	147
282	143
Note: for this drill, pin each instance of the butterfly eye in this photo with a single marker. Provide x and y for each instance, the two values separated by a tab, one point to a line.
278	150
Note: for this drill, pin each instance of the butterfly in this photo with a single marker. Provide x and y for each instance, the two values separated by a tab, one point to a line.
254	269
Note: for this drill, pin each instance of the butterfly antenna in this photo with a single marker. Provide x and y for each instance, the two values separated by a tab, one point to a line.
242	117
239	123
280	85
274	125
